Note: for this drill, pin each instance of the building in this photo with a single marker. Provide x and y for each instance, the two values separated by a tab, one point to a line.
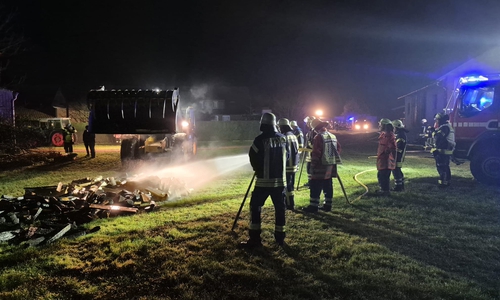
36	102
7	99
426	101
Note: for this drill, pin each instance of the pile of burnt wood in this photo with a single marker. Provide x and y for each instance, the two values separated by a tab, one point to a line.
45	214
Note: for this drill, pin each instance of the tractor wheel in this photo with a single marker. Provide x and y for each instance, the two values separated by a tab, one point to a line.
57	139
129	150
485	166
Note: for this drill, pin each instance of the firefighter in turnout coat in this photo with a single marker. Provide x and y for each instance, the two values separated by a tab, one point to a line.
399	179
298	133
386	156
324	159
308	146
268	156
292	164
444	139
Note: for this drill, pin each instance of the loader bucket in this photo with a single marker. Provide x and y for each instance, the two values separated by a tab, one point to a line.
133	112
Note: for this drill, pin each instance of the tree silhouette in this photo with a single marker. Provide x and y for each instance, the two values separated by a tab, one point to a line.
10	43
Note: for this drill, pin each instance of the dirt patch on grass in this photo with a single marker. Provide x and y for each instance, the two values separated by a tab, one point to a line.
31	158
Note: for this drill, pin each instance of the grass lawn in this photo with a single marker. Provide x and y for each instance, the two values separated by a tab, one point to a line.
424	243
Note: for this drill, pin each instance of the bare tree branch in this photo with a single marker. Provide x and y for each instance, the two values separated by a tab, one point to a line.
10	41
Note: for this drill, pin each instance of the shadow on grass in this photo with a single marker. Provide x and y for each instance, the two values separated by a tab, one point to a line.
463	242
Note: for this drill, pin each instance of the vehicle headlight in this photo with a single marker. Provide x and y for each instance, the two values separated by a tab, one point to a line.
365	126
357	126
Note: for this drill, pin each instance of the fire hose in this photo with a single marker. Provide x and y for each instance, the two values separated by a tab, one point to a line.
362	184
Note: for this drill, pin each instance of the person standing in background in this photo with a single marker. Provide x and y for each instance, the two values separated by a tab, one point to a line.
89	142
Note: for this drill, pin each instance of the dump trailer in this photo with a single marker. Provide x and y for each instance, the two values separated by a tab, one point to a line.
149	122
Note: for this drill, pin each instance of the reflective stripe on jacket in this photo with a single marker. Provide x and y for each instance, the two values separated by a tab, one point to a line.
309	143
400	146
268	156
444	137
292	164
323	156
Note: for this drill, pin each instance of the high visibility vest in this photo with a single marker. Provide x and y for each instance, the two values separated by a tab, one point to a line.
330	156
68	136
450	138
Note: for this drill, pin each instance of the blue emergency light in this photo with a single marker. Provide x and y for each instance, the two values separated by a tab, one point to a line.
473	79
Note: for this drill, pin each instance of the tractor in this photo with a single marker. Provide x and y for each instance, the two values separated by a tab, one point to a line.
149	123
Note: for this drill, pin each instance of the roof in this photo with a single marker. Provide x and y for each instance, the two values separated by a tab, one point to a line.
420	89
485	63
24	113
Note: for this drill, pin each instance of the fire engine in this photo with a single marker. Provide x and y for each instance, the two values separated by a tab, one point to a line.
474	115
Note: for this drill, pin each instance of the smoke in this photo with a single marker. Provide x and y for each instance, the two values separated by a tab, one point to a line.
199	92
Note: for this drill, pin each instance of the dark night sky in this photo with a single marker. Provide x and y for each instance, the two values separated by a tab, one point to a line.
372	50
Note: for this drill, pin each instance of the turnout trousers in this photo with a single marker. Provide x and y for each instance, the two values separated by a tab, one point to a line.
399	179
259	196
317	186
290	183
384	179
443	167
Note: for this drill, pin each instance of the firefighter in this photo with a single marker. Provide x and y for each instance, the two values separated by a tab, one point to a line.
400	132
298	133
444	144
308	146
292	164
268	156
324	159
386	156
69	130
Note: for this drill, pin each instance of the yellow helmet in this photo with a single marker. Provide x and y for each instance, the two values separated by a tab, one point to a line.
398	124
283	122
384	121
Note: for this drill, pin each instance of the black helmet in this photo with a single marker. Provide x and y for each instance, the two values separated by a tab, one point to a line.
268	119
441	117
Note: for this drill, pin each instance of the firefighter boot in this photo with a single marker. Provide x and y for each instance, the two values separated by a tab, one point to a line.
254	241
313	206
279	237
398	188
327	205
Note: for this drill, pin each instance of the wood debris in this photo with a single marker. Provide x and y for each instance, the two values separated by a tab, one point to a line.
45	214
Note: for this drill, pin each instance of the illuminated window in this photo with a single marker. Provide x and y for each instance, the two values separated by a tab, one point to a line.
475	100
